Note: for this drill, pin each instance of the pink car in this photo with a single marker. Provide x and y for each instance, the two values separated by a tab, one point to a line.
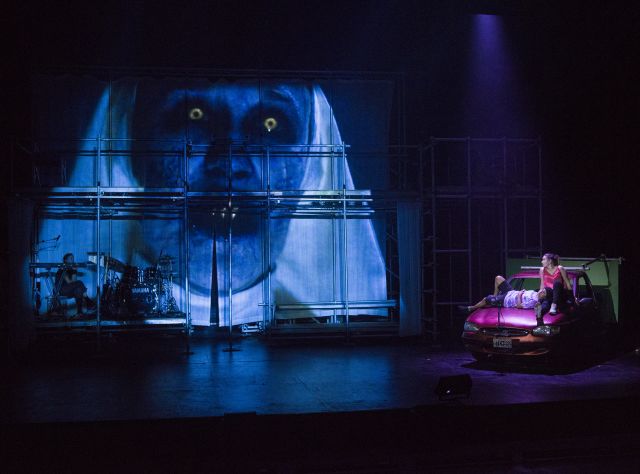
491	330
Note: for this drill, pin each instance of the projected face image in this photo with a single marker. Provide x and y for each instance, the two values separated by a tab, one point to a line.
212	116
273	116
146	138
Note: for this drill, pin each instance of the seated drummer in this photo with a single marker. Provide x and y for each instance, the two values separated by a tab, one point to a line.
69	285
504	295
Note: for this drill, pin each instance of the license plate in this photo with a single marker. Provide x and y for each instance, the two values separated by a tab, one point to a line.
502	343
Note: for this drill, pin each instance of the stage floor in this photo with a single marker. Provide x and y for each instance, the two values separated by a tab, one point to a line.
144	377
142	404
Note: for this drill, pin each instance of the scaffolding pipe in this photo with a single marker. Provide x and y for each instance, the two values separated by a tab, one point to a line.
230	217
540	221
469	253
186	236
504	203
345	293
422	229
434	246
335	230
270	310
98	163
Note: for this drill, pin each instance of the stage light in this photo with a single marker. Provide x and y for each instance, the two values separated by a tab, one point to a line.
454	387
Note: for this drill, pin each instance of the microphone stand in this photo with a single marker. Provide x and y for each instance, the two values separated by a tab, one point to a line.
230	347
55	239
50	245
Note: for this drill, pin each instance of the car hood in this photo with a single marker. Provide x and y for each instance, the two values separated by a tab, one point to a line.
512	317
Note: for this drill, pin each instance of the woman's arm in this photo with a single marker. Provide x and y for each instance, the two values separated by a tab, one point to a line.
565	278
541	278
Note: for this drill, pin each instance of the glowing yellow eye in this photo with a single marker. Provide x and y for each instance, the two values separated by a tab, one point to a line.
196	113
270	123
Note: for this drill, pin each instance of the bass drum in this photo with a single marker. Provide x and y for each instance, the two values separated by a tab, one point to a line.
142	298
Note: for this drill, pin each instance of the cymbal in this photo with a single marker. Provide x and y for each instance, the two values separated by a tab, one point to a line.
105	260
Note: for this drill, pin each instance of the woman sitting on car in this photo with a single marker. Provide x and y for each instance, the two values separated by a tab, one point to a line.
553	279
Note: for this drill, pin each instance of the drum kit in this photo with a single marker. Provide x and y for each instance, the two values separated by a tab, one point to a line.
141	292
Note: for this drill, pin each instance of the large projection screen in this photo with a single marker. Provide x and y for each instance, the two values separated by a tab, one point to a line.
144	124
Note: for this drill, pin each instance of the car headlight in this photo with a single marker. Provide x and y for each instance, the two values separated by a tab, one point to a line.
545	330
470	327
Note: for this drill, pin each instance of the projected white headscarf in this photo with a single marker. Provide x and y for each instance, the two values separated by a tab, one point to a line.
307	254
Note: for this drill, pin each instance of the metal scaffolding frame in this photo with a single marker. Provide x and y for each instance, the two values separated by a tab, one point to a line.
470	188
100	201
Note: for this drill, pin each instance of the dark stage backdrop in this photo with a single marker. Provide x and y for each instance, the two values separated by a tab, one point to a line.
144	123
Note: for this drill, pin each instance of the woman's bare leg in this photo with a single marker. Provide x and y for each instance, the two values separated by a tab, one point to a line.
480	304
